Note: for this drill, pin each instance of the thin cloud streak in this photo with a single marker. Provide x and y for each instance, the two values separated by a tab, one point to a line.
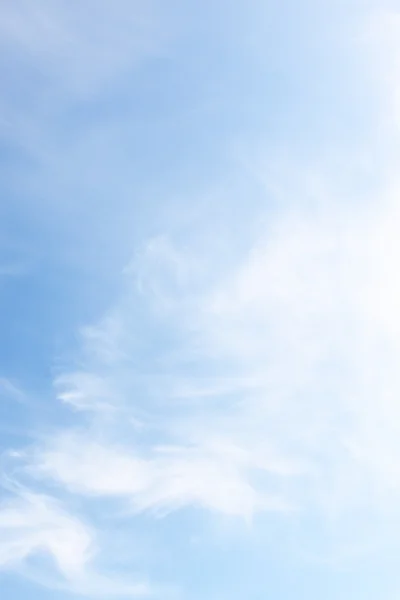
35	526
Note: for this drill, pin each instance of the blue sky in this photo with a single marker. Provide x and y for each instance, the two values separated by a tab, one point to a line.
199	292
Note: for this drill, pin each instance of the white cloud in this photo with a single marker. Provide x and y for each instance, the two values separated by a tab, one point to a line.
84	391
35	526
210	477
380	36
312	311
279	377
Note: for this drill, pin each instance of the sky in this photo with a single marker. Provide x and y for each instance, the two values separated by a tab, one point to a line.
200	299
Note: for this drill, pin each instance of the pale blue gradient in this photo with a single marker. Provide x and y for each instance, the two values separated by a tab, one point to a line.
198	299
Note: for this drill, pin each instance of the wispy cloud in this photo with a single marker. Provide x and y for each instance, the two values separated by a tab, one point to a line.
10	390
293	354
36	527
248	365
172	477
34	524
275	386
380	34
